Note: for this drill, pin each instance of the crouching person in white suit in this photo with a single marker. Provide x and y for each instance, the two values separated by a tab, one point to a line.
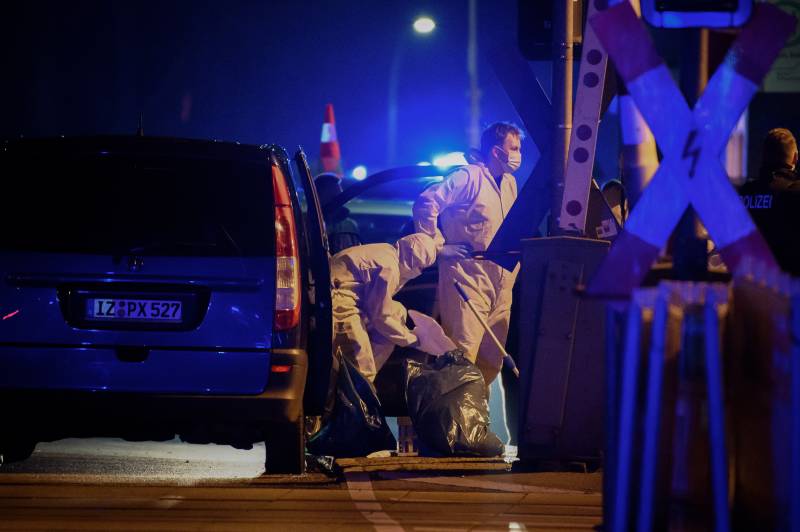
367	322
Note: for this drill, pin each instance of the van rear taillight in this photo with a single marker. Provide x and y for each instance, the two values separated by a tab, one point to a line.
287	271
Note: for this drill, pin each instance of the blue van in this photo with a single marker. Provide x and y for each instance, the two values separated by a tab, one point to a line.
151	287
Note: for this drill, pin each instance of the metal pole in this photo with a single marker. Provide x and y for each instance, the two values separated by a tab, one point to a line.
689	251
652	416
639	158
639	155
474	127
562	102
394	81
716	416
626	419
794	488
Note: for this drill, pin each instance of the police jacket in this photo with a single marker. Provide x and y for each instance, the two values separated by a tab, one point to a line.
773	201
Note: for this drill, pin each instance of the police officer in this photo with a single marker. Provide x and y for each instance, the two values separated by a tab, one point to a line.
773	198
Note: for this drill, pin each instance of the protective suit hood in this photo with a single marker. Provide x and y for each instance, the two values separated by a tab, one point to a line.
415	253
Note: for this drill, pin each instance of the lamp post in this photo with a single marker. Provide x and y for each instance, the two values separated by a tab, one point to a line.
474	126
422	26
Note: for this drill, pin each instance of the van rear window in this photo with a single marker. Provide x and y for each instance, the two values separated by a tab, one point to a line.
103	203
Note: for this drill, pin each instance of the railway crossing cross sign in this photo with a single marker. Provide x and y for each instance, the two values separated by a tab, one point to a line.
691	140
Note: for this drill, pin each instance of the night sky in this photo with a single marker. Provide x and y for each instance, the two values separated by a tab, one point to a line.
254	72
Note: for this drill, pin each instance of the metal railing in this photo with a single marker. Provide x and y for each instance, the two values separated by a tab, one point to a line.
703	415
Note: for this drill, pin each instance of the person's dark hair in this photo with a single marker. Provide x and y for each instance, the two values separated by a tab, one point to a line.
613	184
779	149
329	185
495	134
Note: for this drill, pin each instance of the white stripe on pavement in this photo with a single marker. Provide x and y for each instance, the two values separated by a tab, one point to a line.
360	489
476	483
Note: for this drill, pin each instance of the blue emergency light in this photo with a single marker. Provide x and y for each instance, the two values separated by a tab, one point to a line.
697	13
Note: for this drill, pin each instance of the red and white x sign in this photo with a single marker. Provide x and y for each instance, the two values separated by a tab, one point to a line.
691	140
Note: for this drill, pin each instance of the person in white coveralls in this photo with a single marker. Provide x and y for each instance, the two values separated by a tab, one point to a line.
470	204
367	322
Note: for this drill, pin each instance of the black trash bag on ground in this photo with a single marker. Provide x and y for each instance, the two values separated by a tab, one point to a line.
355	426
449	407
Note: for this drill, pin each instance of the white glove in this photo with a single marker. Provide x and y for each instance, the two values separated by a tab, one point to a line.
455	251
431	338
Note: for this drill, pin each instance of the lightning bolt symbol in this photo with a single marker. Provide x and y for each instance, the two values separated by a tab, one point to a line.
690	150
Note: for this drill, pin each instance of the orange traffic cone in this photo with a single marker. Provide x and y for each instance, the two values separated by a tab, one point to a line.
329	145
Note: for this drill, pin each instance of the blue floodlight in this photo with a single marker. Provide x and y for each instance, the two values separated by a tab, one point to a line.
424	163
359	172
454	158
424	25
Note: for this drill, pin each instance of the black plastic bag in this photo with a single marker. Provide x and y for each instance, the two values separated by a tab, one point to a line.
448	405
355	426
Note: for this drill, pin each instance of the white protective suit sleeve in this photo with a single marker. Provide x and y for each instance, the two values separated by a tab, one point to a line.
432	339
380	308
456	188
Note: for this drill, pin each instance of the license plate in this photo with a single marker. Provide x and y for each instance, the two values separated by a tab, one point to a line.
133	310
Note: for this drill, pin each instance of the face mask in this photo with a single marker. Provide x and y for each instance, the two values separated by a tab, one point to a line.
512	162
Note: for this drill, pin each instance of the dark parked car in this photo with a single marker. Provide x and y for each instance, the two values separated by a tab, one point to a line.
152	287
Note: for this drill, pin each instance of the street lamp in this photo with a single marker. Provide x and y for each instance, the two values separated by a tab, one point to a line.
422	25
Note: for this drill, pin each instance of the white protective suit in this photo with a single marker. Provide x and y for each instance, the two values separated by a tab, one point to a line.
470	206
367	322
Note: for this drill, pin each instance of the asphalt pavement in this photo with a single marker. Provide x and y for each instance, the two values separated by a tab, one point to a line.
106	484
